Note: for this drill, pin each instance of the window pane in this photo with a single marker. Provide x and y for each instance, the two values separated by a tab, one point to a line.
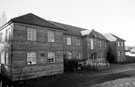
2	57
118	43
31	34
79	55
0	37
68	40
6	58
91	40
31	58
69	55
7	34
51	57
50	36
77	41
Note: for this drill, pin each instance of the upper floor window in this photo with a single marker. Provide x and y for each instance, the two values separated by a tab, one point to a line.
69	55
105	44
7	34
0	37
51	57
91	44
31	58
2	57
77	41
68	40
100	43
122	44
50	36
31	34
118	43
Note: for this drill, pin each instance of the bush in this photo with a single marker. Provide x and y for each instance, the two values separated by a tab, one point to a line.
130	59
70	65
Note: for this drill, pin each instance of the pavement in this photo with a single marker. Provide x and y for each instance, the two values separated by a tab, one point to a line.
93	76
89	78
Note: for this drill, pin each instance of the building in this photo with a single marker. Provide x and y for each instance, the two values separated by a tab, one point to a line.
31	47
116	49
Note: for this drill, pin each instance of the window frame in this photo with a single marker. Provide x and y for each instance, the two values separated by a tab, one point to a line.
118	43
78	41
69	40
69	55
31	59
1	37
6	58
51	36
51	56
91	43
31	34
79	55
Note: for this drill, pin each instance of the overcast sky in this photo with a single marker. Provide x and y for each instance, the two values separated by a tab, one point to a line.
105	16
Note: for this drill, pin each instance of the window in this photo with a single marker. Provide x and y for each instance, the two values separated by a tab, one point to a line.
105	44
69	55
122	44
119	53
77	41
50	36
51	57
2	57
0	37
31	58
7	34
88	41
6	58
78	55
118	43
91	42
31	34
68	40
100	43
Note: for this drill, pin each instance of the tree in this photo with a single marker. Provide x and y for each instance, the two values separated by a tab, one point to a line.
3	18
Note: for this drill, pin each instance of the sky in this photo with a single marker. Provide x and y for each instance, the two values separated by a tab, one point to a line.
105	16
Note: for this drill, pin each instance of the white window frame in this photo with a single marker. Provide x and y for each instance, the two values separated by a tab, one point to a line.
79	55
77	41
7	35
105	44
31	58
2	57
31	34
91	44
6	58
122	44
51	57
118	43
69	55
69	41
50	35
100	43
1	36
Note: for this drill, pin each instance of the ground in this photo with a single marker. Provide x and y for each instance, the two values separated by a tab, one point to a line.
118	73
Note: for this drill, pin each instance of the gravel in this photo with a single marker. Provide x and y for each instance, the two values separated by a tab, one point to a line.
123	82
